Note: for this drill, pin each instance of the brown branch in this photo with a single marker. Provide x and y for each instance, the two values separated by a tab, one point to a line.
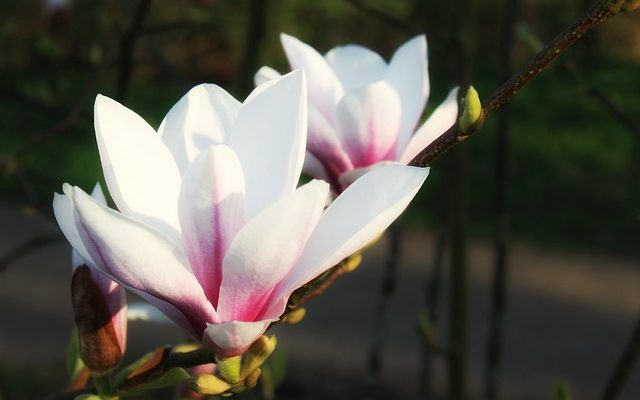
598	13
127	45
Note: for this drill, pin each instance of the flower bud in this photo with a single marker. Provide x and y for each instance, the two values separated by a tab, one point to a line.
472	113
100	315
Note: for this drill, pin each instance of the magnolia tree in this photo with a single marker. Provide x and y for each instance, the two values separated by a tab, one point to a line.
210	224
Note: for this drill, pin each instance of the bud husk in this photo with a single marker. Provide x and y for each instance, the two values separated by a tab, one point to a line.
257	354
98	343
294	316
252	379
229	369
209	384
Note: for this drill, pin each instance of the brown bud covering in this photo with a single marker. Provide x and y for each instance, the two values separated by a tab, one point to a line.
99	347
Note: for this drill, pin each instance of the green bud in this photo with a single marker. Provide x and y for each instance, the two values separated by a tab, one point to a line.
472	112
209	384
294	316
229	369
259	351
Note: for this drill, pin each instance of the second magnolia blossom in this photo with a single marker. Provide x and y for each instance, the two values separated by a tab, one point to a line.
363	111
210	226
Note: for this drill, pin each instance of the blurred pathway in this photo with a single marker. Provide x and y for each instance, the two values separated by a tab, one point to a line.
568	318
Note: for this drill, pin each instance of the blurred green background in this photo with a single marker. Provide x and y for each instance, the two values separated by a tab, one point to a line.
573	177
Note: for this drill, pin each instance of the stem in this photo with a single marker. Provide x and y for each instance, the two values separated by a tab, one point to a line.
499	287
621	372
103	386
387	291
600	12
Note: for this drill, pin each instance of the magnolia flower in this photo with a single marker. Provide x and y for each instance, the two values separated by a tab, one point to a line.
211	229
100	308
363	111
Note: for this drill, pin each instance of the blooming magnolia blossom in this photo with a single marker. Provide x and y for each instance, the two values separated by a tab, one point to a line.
211	229
363	110
97	298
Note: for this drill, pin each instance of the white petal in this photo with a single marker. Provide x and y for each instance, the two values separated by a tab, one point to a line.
139	258
369	121
356	65
203	117
264	251
440	120
269	137
211	213
351	176
265	74
361	213
63	212
407	73
140	172
234	337
324	87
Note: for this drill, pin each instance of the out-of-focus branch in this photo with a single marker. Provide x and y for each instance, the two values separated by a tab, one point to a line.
595	15
9	161
127	45
383	17
27	248
624	366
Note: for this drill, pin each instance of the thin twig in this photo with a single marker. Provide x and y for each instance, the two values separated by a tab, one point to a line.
254	38
624	366
595	15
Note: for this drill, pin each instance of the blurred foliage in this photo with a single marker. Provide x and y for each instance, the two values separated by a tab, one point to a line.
574	175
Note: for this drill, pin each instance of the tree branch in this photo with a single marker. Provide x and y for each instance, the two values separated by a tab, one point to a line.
595	15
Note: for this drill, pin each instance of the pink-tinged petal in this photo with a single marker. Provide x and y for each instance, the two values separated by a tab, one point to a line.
314	168
369	119
324	145
234	337
324	87
357	216
407	73
349	177
438	123
203	117
116	300
141	259
76	259
140	172
264	251
265	74
356	65
269	137
211	213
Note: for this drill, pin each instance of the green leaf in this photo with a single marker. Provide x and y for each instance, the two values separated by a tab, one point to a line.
87	396
170	378
122	375
74	362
